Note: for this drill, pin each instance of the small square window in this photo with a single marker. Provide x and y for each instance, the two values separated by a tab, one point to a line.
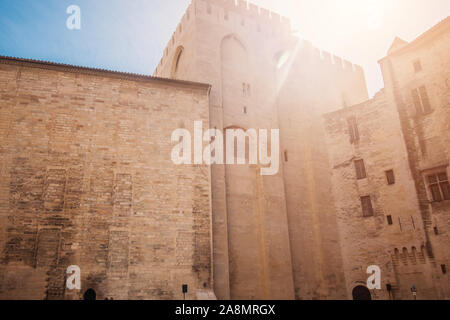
444	269
367	208
389	220
390	177
417	66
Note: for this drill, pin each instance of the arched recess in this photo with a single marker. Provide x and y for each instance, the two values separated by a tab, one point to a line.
177	62
236	71
361	293
244	234
246	257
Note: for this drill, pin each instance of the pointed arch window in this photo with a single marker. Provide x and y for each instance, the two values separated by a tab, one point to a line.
176	61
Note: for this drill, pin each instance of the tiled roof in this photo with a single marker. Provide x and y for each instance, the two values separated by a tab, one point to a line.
97	71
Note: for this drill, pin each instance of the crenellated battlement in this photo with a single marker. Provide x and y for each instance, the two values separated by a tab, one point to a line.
172	43
255	19
224	11
248	10
411	255
328	59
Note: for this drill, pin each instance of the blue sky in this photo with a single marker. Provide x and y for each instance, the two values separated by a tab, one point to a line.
123	35
130	35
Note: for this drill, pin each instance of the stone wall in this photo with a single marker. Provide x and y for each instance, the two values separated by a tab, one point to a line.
87	179
314	233
262	226
372	240
427	135
407	235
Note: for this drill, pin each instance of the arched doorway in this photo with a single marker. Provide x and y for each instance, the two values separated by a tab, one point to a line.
361	293
90	295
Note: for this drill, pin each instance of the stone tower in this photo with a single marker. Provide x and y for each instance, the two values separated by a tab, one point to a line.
274	237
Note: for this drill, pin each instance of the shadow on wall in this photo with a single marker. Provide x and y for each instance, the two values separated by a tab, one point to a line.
18	281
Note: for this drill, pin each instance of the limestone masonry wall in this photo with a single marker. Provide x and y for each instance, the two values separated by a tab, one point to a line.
86	176
87	179
262	226
407	232
424	65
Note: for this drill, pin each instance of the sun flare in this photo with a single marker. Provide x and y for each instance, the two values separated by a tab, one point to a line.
367	14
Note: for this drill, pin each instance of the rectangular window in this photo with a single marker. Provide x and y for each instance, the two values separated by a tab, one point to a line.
353	129
286	156
367	208
443	268
390	177
417	66
208	9
421	100
360	169
389	220
436	231
439	186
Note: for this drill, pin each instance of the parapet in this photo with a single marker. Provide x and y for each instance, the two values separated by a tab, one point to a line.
171	45
220	10
411	255
265	20
264	17
327	59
